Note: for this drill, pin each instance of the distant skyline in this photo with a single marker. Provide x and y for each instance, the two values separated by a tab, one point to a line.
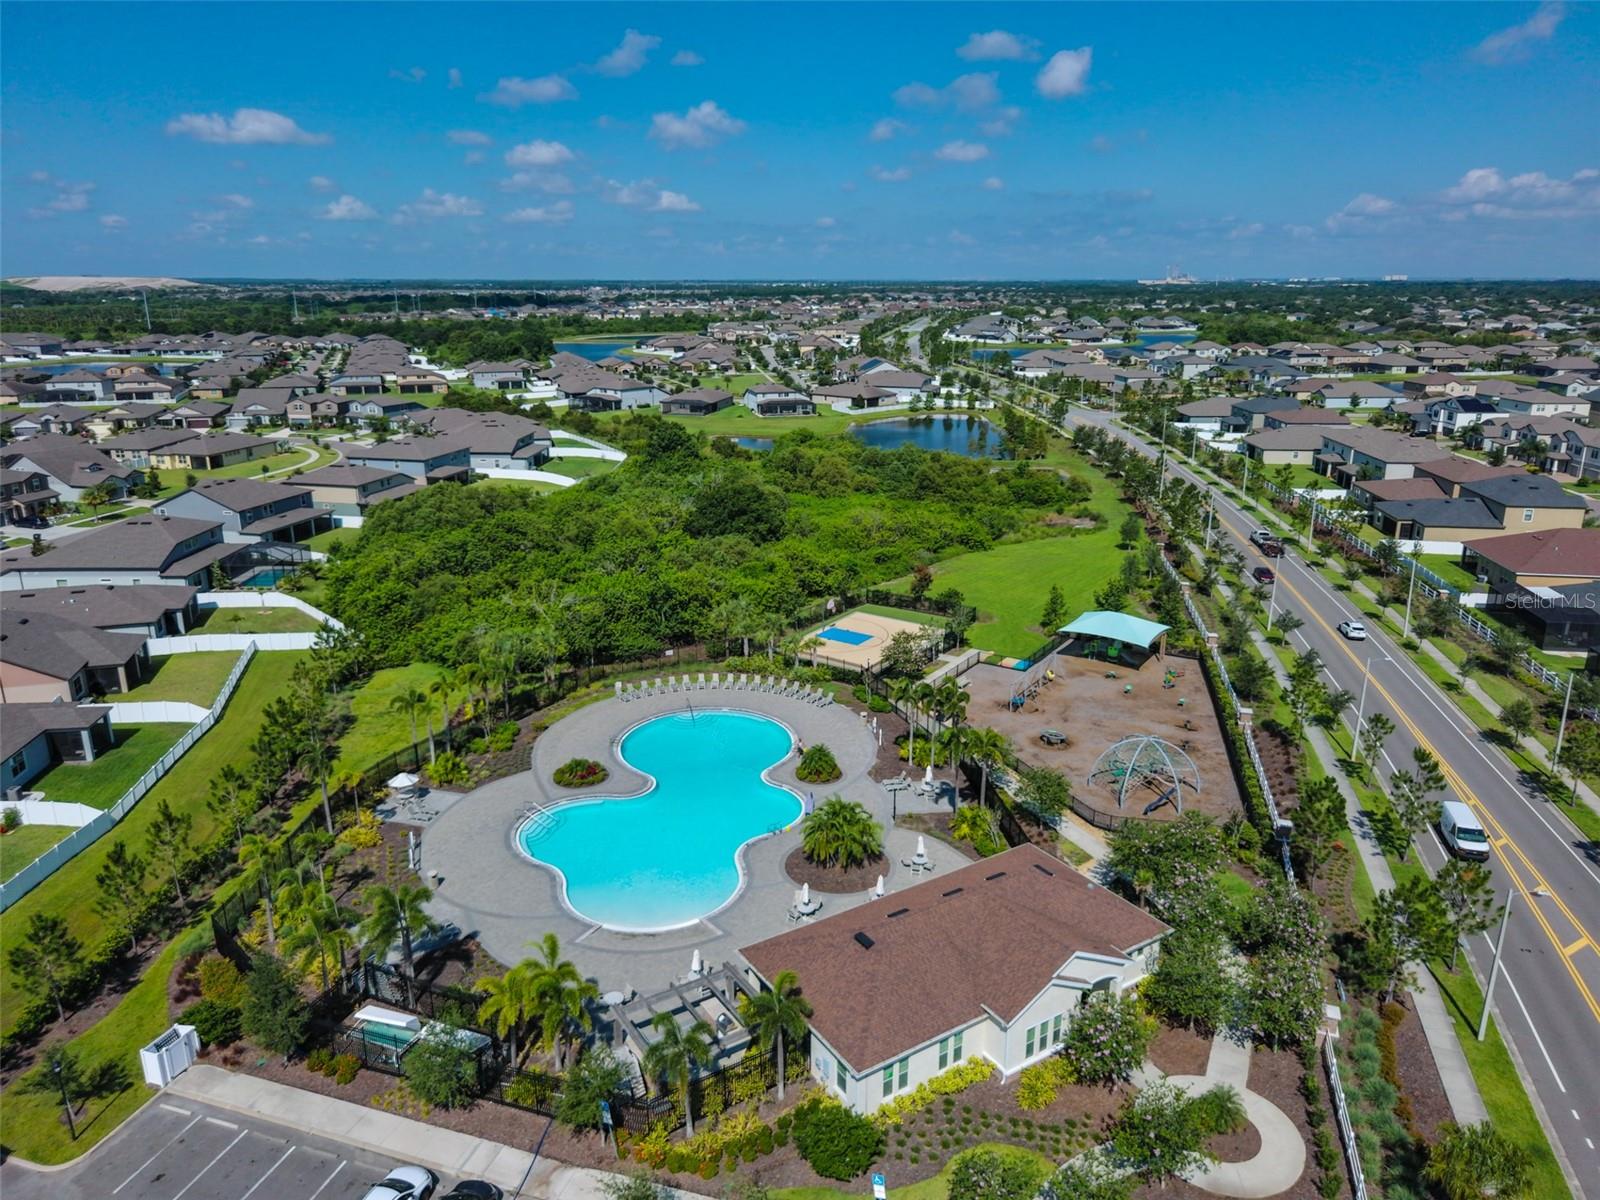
814	141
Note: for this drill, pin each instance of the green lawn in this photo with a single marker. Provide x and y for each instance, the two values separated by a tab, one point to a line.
22	845
70	891
196	678
736	384
1448	568
935	1188
101	783
376	730
325	542
258	620
277	466
578	468
739	421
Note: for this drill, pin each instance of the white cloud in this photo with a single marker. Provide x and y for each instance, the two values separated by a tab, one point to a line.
1355	214
648	194
885	128
348	208
687	58
455	77
1513	44
994	183
970	92
997	45
321	183
513	91
1531	195
468	137
409	75
247	127
69	197
538	153
963	152
703	125
630	55
439	204
885	175
112	222
826	222
472	157
550	214
237	200
1066	74
550	182
1002	123
957	238
1250	230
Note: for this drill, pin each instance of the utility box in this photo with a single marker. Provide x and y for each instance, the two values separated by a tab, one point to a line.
170	1055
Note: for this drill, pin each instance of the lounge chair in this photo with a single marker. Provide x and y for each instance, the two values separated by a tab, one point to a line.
736	686
617	689
700	682
656	688
714	680
772	683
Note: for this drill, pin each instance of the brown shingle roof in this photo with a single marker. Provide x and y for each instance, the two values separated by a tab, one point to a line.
990	935
1568	552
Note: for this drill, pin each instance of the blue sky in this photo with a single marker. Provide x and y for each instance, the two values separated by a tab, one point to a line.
771	141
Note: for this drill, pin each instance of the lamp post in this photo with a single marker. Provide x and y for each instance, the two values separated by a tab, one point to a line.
1494	971
1561	733
1361	707
66	1103
1272	601
1406	632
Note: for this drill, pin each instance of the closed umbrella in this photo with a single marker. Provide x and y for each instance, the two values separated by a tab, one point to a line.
922	847
694	964
927	775
805	894
878	891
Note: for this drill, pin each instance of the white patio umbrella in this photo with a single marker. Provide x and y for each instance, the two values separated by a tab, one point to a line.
922	848
927	775
694	964
878	891
805	893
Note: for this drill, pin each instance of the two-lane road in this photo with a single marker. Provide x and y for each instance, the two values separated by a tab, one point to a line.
1548	1000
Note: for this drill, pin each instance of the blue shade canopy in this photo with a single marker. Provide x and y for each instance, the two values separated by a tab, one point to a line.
1118	627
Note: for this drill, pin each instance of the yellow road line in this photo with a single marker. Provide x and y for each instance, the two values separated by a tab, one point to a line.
1468	796
1569	951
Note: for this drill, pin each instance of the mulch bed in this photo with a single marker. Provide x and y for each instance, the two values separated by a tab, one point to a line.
1180	1051
1281	758
834	880
937	824
1419	1076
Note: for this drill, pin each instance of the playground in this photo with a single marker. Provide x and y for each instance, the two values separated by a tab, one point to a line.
1097	703
859	637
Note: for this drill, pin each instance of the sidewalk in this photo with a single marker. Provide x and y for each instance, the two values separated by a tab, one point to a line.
444	1150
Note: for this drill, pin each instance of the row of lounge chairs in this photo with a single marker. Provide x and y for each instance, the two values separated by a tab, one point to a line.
772	685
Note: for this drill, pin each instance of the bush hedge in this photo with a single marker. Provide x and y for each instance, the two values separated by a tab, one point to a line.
217	1024
579	772
817	765
835	1142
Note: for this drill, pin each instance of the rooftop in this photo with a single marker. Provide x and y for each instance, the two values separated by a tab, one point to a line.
1574	553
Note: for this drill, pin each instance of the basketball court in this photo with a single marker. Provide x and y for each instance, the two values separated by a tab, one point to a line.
858	639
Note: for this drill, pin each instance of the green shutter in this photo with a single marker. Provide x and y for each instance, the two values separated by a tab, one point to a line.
956	1047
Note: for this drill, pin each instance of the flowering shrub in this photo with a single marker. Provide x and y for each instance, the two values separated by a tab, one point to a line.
362	833
1107	1038
579	772
947	1083
1283	997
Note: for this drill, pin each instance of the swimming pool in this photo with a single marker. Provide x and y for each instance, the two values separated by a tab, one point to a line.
668	857
848	636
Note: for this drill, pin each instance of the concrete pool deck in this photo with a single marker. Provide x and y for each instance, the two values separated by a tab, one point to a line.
488	887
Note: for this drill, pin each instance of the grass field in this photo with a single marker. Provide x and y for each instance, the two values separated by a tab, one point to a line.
275	466
21	846
70	892
195	678
325	542
739	421
935	1188
1448	568
101	783
376	730
580	468
259	620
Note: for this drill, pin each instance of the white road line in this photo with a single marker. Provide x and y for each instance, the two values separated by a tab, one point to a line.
210	1164
187	1112
1589	1142
1532	1028
153	1157
1575	1115
269	1171
328	1180
224	1124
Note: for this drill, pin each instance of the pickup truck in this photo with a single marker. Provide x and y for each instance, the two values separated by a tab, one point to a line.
1267	542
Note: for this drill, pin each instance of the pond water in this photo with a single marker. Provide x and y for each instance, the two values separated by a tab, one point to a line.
754	443
971	437
595	351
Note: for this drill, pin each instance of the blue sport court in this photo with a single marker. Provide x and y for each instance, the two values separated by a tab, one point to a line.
849	637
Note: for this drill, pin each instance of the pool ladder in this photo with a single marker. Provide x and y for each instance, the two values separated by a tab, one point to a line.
537	820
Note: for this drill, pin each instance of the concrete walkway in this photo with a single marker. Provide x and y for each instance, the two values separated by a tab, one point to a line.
443	1150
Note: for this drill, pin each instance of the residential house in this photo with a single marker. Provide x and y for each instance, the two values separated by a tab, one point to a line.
356	382
419	381
710	356
1577	453
148	389
45	657
856	394
1446	416
252	510
1250	413
54	418
151	609
697	402
777	400
121	418
194	414
25	496
1362	394
1547	582
36	737
1361	452
348	491
499	377
88	387
368	411
1296	445
1210	413
602	391
295	383
1528	503
1007	999
1287	418
72	466
495	441
152	549
255	408
423	460
307	409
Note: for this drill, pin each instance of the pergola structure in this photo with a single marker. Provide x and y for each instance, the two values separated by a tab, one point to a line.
1145	760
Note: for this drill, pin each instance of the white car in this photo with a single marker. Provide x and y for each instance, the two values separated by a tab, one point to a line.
404	1183
1354	630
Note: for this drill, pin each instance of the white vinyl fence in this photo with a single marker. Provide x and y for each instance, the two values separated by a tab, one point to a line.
196	643
265	600
25	880
157	712
55	812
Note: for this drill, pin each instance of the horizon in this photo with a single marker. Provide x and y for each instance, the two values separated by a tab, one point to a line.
1016	143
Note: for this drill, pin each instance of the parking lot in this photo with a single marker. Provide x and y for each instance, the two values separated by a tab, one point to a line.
181	1150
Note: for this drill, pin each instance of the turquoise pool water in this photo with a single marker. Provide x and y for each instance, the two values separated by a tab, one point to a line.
670	856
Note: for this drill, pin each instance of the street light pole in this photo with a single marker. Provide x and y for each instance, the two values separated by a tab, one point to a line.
1494	971
1561	733
1272	601
1361	707
66	1103
1407	631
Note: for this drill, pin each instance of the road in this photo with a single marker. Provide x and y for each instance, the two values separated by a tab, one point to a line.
181	1150
1548	1000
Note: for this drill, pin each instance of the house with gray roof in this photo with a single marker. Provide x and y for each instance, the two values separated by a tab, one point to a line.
423	460
777	400
152	549
346	490
45	657
36	737
252	510
696	402
152	609
72	466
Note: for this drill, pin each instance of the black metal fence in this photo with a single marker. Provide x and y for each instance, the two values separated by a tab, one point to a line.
231	913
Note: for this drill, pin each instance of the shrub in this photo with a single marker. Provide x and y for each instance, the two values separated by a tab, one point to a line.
441	1069
319	1060
10	818
1107	1038
1219	1110
985	1174
533	1091
817	765
220	980
879	705
345	1067
835	1142
598	1076
1036	1087
504	736
364	832
217	1024
449	769
840	832
579	772
947	1083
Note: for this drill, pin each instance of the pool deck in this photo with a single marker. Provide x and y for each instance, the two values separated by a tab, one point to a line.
487	886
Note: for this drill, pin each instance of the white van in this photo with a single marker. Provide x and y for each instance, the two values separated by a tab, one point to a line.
1462	833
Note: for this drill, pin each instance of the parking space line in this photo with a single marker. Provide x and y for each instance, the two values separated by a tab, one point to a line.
187	1112
224	1124
269	1171
328	1180
210	1164
154	1156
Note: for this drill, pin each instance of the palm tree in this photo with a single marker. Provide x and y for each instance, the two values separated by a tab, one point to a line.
840	833
318	932
560	996
396	914
408	704
777	1016
734	616
442	689
904	693
508	1002
259	849
991	750
675	1055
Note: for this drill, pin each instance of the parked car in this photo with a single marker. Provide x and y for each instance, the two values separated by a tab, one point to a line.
404	1183
474	1189
1354	630
1267	542
1263	575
